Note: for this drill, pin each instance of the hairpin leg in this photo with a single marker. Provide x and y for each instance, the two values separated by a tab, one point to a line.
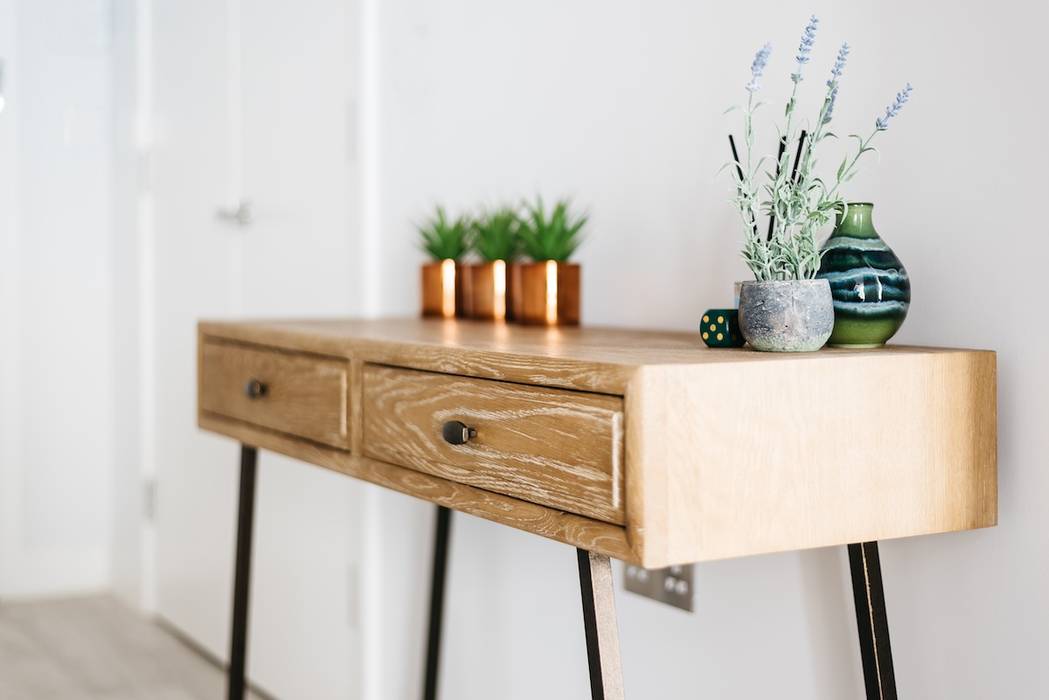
599	623
242	573
872	621
440	566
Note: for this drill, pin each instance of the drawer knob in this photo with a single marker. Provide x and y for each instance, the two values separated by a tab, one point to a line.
255	389
457	433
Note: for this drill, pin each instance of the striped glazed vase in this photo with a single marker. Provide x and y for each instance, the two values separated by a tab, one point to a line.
871	289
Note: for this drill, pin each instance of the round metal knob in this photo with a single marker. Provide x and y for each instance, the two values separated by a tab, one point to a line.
255	389
457	433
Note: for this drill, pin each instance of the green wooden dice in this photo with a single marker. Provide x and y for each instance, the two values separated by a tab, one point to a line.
720	328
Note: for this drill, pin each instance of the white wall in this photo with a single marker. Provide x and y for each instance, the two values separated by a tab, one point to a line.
56	358
620	105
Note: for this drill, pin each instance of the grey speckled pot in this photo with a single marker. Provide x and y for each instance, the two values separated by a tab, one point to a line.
789	316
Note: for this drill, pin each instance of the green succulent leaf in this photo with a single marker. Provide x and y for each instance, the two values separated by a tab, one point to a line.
551	236
443	238
497	234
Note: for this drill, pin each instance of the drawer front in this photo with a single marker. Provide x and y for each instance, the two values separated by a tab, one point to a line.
303	395
554	447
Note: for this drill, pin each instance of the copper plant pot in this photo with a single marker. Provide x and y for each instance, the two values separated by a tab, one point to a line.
442	289
486	290
545	293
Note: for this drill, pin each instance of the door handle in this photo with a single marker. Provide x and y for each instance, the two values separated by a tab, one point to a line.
241	215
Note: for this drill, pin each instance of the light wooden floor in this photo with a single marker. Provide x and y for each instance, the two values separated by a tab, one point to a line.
96	649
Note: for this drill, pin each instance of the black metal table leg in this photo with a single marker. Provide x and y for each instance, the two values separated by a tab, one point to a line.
599	624
872	621
242	573
440	566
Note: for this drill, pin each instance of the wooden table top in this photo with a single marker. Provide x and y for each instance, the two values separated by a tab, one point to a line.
599	344
607	347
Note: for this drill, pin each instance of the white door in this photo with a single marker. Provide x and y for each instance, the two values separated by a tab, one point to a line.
251	112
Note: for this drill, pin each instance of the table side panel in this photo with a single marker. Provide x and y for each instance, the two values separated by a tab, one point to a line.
723	462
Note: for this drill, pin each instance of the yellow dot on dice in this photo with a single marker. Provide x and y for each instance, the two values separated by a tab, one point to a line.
705	335
721	319
720	336
713	327
706	319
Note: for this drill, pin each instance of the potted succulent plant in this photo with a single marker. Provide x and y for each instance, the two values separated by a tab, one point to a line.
446	241
496	241
546	290
787	308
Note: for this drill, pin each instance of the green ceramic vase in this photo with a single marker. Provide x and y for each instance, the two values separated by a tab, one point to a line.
870	287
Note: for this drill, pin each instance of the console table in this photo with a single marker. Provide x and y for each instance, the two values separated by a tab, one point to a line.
637	445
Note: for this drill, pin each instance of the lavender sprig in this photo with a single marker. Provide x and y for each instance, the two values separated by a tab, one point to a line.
778	205
832	97
848	168
808	39
799	203
839	64
757	68
882	123
832	82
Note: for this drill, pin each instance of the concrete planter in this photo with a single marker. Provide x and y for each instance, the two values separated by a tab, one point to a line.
786	316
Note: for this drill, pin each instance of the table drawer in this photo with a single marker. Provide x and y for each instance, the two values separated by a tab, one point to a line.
300	394
553	447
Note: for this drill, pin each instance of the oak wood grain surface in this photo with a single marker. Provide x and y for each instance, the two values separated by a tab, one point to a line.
725	452
810	454
305	395
549	446
568	528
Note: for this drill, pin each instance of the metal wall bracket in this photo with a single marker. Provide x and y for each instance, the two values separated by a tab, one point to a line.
671	586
